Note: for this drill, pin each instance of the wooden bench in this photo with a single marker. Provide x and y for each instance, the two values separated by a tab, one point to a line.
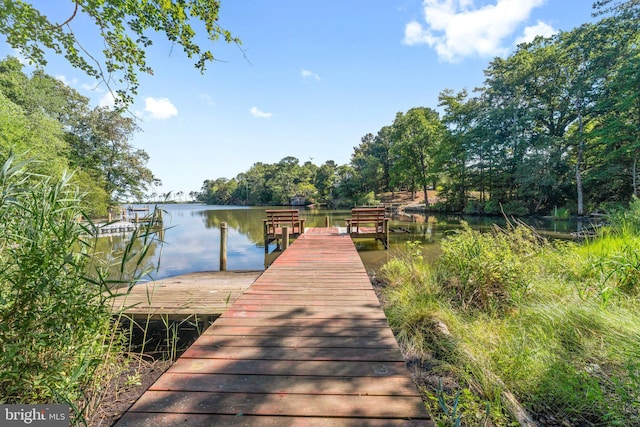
277	219
369	222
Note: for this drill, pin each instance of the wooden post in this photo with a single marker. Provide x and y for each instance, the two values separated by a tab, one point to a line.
110	216
386	234
137	220
326	222
223	246
285	237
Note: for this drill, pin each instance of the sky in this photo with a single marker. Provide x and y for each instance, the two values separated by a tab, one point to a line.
311	78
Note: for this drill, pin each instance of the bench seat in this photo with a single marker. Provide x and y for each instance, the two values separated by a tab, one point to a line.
367	223
277	219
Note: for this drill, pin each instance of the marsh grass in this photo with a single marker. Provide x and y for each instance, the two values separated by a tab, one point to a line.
59	342
557	325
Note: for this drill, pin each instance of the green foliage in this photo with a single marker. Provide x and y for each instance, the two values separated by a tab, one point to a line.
58	342
54	126
489	271
54	328
36	134
491	207
627	221
568	347
463	408
515	208
368	199
124	26
471	208
561	213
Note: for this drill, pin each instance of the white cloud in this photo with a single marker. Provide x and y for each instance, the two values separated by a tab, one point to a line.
257	113
458	28
540	29
107	100
64	80
306	74
160	109
207	98
20	57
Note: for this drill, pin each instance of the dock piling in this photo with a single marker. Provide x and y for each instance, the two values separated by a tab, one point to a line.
223	246
285	237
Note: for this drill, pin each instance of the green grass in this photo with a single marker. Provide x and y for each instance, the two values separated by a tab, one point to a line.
556	325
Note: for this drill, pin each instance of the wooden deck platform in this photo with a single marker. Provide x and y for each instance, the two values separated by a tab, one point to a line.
201	294
306	345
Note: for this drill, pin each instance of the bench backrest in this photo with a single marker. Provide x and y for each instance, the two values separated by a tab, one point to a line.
283	216
370	215
277	218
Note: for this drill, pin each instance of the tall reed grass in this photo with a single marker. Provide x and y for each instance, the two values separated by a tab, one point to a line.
59	342
555	325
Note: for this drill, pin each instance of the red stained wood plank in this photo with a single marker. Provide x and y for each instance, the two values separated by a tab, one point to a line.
216	341
304	313
286	367
151	419
345	323
281	404
295	354
373	386
293	331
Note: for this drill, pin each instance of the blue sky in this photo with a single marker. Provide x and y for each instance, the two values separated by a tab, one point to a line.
312	78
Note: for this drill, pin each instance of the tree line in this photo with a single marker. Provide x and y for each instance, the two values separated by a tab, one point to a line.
54	128
555	125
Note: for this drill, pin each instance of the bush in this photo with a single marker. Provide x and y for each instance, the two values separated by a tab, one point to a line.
516	208
566	356
561	213
471	208
491	208
368	199
489	271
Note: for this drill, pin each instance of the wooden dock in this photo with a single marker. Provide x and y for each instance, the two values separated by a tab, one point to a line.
306	345
194	294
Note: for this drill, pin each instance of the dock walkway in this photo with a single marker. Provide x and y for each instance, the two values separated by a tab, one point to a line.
306	345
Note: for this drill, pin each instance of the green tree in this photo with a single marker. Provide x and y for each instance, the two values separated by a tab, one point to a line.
420	133
66	133
219	191
458	153
123	26
100	145
617	130
325	181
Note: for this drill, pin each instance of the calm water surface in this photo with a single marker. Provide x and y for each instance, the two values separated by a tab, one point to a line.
191	241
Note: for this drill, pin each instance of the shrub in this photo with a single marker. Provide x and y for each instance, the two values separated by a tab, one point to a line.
471	208
368	199
491	208
489	271
561	213
627	222
516	207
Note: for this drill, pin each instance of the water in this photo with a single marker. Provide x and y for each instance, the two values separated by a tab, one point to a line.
192	236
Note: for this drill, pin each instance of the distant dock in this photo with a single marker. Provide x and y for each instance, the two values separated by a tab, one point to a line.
201	294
